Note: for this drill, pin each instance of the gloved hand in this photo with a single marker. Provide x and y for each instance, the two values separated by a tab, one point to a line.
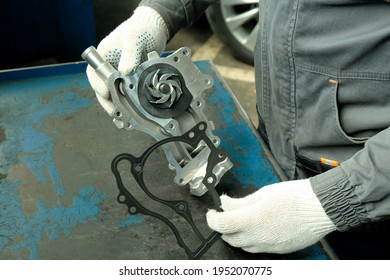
127	46
279	218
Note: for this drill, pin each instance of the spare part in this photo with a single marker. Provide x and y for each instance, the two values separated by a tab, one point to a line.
216	157
163	97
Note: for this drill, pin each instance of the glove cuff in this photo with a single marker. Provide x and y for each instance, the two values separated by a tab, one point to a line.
321	224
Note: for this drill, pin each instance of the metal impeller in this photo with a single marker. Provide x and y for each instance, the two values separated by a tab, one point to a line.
163	89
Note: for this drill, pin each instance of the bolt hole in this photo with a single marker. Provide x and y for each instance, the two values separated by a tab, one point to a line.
118	114
131	86
186	52
181	207
215	141
198	103
176	59
171	126
138	168
207	81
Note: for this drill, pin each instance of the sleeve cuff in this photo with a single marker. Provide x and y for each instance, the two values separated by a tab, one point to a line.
338	198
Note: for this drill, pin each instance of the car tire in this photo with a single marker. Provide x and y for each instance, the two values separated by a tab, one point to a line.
239	39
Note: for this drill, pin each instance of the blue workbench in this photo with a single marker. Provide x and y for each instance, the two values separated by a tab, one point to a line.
57	192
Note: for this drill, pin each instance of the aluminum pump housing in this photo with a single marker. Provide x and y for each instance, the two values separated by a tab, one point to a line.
163	97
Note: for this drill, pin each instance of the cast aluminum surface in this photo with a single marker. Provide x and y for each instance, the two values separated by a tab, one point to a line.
163	97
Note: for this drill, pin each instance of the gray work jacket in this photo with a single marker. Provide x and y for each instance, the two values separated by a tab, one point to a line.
323	96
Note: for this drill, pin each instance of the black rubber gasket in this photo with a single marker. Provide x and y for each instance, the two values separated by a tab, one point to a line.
193	137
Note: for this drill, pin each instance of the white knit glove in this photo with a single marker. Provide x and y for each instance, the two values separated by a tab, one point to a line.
127	47
280	218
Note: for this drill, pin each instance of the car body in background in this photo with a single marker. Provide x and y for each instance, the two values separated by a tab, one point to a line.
235	22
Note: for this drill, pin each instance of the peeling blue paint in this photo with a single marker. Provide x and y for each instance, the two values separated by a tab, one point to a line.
250	156
131	220
57	220
54	221
11	215
251	165
27	141
23	121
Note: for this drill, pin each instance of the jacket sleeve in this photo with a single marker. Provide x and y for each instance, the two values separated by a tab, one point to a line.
178	13
358	191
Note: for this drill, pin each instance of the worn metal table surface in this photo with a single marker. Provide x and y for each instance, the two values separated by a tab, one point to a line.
57	192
